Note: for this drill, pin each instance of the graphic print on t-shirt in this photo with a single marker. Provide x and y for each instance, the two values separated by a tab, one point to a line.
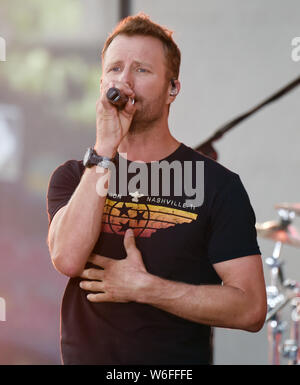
145	219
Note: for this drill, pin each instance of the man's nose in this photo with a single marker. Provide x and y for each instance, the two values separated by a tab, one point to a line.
126	77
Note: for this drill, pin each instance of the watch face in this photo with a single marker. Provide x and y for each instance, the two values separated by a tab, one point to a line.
92	159
87	156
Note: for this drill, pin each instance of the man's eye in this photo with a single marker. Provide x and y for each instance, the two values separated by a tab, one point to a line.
142	70
115	69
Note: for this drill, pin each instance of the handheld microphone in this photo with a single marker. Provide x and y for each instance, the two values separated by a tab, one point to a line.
117	98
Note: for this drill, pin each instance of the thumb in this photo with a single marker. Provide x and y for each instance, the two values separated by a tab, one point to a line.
129	241
130	246
133	253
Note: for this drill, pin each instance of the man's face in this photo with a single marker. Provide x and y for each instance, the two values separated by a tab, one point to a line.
140	62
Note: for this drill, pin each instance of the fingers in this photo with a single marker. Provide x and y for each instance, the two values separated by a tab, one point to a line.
92	285
100	260
100	294
103	297
93	274
99	297
96	286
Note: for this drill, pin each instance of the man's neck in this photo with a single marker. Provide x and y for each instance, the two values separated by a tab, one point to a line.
148	146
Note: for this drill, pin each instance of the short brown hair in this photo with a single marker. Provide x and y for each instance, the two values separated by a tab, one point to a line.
142	25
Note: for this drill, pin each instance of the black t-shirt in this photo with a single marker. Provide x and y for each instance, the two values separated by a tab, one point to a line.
179	241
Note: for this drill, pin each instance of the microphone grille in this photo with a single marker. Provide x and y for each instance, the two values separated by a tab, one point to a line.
113	94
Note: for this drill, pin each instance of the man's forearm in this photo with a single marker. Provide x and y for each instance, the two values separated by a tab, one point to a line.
239	303
215	305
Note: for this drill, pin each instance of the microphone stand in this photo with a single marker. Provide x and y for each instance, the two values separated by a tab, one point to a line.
207	147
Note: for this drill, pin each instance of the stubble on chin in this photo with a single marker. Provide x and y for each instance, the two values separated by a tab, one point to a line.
141	124
146	117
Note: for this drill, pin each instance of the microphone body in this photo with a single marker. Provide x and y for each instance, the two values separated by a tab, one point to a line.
117	98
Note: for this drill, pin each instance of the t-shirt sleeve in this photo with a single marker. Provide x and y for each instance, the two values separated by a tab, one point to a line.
232	232
62	184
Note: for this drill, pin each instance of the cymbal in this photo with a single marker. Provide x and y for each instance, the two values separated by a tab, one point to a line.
273	230
295	207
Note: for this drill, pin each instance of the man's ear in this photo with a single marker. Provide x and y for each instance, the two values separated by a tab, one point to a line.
174	89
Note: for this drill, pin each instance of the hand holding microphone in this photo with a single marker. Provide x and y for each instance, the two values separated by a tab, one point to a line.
114	112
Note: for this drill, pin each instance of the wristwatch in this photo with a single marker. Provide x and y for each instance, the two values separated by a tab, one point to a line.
91	158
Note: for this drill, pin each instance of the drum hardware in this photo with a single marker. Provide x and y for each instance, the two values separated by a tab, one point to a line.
281	291
279	231
290	207
291	347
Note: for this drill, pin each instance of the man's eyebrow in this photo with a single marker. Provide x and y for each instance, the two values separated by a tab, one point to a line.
135	62
142	63
113	63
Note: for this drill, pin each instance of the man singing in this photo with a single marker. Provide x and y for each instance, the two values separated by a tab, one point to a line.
151	270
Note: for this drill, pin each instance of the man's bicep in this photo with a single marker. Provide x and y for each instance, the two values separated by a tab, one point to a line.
62	185
245	276
245	273
232	231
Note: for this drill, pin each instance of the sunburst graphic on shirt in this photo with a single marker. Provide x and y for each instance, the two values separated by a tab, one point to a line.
144	219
